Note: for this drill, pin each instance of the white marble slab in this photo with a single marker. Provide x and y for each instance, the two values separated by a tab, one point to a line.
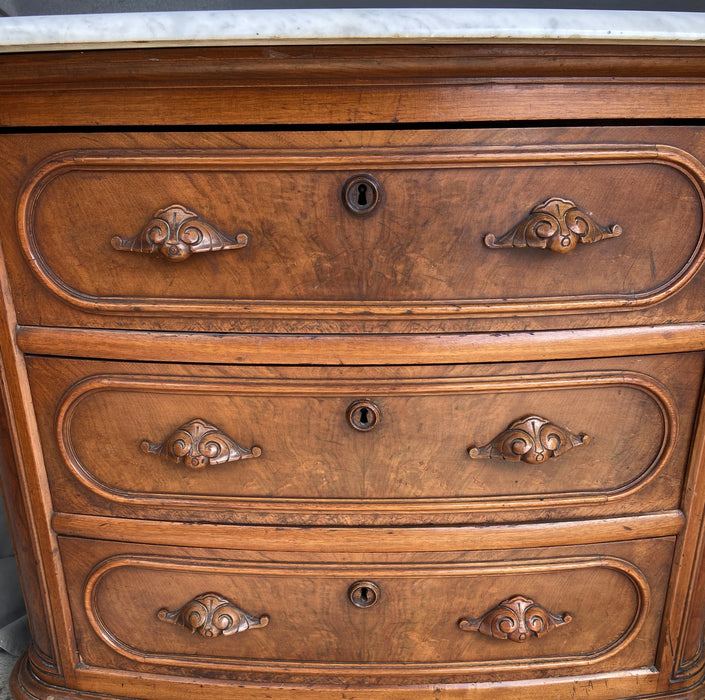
252	27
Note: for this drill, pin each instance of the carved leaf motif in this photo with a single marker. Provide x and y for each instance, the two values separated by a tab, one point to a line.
177	233
515	619
198	444
211	615
532	440
557	225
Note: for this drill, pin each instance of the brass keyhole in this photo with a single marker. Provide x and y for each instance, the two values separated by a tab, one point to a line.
361	194
364	594
363	415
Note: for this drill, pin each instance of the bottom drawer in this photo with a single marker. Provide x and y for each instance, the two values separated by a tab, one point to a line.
367	618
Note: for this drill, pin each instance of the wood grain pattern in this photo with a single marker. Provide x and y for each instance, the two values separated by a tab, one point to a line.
406	539
312	286
422	440
428	643
352	84
365	342
641	680
310	258
365	350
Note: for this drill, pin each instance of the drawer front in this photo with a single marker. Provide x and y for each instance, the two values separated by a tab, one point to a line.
528	613
464	227
229	443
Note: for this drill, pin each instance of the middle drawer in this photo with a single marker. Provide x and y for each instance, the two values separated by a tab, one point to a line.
373	445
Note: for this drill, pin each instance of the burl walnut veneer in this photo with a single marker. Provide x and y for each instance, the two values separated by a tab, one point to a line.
356	372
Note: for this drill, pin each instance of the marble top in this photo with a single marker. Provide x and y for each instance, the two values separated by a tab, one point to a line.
311	26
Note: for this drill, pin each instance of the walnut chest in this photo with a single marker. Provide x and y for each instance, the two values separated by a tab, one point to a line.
356	371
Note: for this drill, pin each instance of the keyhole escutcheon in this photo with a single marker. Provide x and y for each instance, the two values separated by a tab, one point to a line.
364	594
361	194
363	415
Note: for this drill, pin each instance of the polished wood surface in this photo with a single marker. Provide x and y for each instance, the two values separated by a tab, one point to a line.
119	592
427	84
367	372
414	261
305	457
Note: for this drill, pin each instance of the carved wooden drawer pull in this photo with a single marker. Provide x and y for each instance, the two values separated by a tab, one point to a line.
557	225
211	615
532	440
198	444
516	619
176	233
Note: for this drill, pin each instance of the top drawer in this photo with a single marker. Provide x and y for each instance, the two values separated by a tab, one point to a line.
195	231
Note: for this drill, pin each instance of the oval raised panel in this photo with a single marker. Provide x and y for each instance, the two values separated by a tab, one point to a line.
609	598
432	261
422	442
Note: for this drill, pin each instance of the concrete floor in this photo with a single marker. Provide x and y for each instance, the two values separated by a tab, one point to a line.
6	664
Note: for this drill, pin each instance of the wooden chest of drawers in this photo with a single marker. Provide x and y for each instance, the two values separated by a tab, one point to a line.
356	372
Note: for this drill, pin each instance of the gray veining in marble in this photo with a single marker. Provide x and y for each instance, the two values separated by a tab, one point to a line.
258	27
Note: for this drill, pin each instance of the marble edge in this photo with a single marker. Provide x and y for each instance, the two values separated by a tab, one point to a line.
338	26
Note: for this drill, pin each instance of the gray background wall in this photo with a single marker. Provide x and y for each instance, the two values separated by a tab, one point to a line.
49	7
